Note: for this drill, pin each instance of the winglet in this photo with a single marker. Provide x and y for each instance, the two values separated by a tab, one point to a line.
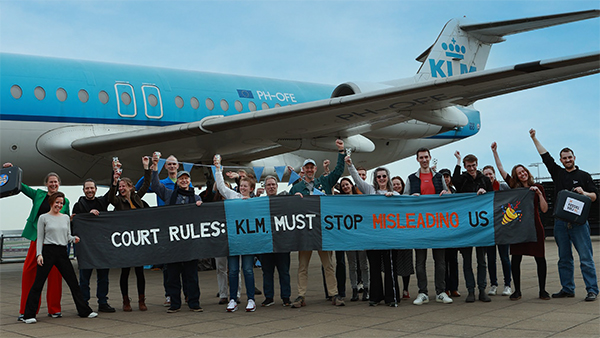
464	48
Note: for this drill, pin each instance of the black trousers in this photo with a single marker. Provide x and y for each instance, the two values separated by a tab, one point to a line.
186	272
386	289
55	255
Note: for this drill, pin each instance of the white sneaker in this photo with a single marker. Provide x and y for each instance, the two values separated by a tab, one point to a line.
507	291
167	302
30	321
251	307
93	315
443	298
232	306
493	290
421	299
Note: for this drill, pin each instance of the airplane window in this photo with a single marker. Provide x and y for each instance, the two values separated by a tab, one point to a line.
224	105
252	106
210	104
16	92
277	105
152	100
178	101
265	105
238	105
103	97
126	98
195	103
83	95
61	94
39	93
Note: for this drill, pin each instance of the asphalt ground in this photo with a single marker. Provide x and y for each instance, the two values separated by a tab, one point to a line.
528	317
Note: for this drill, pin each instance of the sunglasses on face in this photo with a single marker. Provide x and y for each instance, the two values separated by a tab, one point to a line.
381	176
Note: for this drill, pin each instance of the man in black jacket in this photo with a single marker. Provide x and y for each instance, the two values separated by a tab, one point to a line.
427	182
568	235
472	180
90	203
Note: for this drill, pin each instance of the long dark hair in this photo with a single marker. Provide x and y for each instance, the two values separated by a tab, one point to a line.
354	189
401	181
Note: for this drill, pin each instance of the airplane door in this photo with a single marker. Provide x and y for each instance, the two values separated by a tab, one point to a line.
126	104
152	102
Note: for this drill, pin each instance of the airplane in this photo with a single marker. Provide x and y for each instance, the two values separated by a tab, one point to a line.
73	116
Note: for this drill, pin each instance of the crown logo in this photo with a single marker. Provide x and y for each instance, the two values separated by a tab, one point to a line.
453	50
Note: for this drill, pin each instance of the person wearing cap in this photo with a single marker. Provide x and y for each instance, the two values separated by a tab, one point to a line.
323	185
448	179
186	271
172	167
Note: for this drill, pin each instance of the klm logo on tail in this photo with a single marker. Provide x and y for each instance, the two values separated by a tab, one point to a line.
444	67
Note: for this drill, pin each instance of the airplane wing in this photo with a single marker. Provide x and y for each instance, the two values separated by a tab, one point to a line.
264	132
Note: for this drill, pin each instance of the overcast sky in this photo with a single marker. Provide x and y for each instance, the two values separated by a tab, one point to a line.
327	42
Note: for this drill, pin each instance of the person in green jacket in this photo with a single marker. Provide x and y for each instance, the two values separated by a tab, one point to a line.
322	185
39	198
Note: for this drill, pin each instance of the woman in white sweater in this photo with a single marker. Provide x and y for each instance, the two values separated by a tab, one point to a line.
53	235
246	187
390	294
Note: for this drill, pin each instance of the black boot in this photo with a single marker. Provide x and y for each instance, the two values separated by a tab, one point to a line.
354	295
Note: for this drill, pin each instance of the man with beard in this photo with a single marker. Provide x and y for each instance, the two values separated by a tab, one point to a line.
94	205
567	234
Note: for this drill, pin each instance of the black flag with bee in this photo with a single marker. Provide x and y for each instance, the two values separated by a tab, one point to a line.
514	216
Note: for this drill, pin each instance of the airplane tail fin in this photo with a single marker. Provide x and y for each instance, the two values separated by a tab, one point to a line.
464	48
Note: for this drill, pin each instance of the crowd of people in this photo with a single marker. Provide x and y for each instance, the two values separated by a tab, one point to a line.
374	273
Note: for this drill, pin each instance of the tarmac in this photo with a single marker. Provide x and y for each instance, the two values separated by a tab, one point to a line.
527	317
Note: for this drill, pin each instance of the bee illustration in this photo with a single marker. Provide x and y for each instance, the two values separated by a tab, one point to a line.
511	213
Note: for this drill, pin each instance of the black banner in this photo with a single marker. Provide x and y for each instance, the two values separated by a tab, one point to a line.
291	223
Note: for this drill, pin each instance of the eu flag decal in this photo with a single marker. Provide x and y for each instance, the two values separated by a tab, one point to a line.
245	94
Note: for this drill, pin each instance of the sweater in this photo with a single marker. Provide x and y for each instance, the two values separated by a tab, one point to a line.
54	230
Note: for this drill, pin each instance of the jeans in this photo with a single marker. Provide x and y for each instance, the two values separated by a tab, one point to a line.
503	250
282	262
188	273
579	235
467	254
234	275
440	270
101	284
359	257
